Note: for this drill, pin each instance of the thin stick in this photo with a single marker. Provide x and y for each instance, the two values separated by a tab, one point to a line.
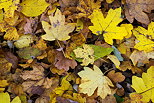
60	47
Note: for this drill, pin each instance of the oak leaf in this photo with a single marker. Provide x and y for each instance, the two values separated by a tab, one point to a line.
58	30
116	76
64	63
92	80
137	9
139	57
108	26
145	85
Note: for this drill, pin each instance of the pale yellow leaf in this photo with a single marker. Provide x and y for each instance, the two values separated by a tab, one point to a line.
115	60
92	80
58	30
86	53
24	41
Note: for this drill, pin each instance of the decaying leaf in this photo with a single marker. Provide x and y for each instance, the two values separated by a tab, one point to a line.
64	63
137	9
92	80
35	79
33	8
105	26
145	85
116	76
58	30
139	57
29	53
86	53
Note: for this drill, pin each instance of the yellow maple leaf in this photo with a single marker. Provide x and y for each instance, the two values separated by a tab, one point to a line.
33	8
58	30
86	53
108	26
9	7
141	34
145	85
92	80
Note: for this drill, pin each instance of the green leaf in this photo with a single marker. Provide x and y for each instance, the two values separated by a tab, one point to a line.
100	51
117	53
29	53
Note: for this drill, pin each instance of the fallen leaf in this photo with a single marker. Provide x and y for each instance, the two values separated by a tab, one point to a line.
106	25
116	76
58	30
115	60
5	98
32	8
24	41
73	43
138	9
64	63
86	53
135	98
145	85
3	84
144	43
9	7
29	53
139	58
92	80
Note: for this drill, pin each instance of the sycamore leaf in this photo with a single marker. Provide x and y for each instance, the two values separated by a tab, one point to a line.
145	85
24	41
86	53
108	26
141	34
92	80
5	98
58	30
33	8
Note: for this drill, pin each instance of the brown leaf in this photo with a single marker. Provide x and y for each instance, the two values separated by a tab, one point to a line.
116	77
137	9
12	59
64	63
139	58
30	25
